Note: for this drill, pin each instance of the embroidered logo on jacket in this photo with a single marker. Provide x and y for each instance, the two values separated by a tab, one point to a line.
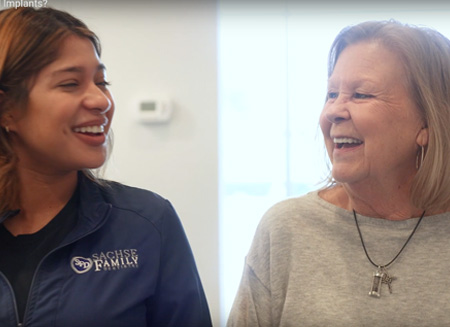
106	261
81	265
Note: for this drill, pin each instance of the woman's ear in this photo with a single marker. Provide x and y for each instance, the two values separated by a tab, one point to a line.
422	137
7	122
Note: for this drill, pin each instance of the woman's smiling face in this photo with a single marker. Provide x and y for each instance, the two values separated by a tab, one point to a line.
370	122
68	114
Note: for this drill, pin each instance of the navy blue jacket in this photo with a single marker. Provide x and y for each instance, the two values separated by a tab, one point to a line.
127	263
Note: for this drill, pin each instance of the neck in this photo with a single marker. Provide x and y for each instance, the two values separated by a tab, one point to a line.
373	202
41	198
394	205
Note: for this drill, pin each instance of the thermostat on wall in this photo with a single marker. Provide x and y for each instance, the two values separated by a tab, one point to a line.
155	111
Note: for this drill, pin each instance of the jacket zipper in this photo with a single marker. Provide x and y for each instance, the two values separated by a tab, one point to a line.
22	324
18	323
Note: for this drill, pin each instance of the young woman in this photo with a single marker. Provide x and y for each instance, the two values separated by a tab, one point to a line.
75	250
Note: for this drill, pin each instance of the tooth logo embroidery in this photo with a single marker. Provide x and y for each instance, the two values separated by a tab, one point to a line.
106	261
81	265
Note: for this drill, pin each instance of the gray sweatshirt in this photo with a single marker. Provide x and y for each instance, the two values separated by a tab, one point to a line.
307	267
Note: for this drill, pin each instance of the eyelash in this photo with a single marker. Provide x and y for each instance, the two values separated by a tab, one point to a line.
332	95
361	96
69	85
104	83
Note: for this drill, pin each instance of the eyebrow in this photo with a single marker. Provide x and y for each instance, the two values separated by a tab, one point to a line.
76	69
357	82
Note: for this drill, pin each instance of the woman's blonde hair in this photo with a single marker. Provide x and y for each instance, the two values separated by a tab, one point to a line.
29	40
425	54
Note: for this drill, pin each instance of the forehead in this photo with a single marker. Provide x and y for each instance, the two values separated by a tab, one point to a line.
368	62
76	54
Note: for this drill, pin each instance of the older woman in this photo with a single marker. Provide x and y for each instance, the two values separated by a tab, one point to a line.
372	248
75	250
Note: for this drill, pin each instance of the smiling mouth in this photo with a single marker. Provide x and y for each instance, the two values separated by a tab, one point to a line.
346	142
90	129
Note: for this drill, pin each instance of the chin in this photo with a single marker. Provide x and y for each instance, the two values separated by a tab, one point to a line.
344	176
93	164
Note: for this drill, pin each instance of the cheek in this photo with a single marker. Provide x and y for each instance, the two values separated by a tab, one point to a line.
325	124
110	113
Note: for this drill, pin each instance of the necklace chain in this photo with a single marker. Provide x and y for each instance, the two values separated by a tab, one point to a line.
401	250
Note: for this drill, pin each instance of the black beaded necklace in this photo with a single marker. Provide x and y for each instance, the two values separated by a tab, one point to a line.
382	275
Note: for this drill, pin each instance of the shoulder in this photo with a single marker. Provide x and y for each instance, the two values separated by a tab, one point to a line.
292	210
298	218
287	220
295	225
129	203
125	196
138	200
285	227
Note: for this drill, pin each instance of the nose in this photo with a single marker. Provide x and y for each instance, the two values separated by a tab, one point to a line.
97	99
336	110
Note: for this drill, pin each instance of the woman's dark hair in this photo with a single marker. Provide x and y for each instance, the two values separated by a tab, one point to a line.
30	40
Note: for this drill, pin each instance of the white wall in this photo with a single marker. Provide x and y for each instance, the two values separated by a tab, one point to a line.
165	47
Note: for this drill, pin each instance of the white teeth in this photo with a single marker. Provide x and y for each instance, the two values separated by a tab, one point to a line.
90	129
347	140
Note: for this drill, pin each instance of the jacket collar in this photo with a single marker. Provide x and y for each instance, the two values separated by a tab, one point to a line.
93	208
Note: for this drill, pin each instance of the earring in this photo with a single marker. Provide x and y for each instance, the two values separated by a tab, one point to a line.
422	154
7	129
